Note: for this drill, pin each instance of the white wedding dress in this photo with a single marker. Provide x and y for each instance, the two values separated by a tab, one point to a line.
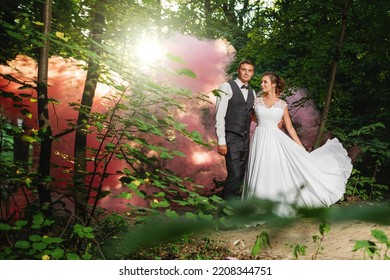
281	170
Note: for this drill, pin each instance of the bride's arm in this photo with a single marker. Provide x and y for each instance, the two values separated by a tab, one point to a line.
290	128
253	117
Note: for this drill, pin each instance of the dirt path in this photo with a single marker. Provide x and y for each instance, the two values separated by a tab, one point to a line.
337	244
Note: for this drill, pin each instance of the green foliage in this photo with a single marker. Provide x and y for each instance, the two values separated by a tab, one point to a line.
299	250
83	232
366	188
262	241
317	239
373	156
374	249
369	146
27	241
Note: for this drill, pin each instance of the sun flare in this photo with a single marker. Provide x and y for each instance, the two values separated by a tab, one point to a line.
199	158
149	51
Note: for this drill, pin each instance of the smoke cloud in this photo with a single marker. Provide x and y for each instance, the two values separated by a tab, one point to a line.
208	59
305	116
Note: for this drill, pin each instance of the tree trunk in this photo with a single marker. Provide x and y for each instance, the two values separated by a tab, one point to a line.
207	12
80	166
43	114
21	148
336	59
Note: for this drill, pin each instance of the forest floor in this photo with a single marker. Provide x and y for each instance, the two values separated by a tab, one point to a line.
337	244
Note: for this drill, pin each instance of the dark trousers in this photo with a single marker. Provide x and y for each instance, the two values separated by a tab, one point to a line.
236	161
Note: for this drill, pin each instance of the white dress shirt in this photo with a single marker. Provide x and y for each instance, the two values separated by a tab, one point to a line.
225	93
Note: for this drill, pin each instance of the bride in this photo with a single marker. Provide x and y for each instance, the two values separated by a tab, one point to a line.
280	169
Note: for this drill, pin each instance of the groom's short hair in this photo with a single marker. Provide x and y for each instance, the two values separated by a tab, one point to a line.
245	61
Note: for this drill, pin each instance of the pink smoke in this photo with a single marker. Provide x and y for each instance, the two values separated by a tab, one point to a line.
305	116
66	82
207	58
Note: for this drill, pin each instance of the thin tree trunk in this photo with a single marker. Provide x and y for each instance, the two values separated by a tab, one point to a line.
332	76
21	148
80	154
43	114
207	13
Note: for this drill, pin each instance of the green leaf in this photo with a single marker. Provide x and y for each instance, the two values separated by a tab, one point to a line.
17	98
171	214
39	246
54	101
299	250
126	195
206	217
162	203
38	220
13	34
6	94
178	153
369	246
190	216
99	126
29	139
262	241
110	147
5	227
86	256
61	35
26	113
22	244
50	240
120	87
159	194
122	107
35	238
179	126
324	228
58	253
174	57
21	223
38	23
83	232
166	155
185	72
380	236
89	235
216	92
72	256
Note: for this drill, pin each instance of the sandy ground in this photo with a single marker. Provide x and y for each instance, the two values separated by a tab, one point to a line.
337	244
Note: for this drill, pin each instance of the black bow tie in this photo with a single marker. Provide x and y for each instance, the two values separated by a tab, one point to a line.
244	86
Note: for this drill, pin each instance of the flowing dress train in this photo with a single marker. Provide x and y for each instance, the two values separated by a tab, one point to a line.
281	170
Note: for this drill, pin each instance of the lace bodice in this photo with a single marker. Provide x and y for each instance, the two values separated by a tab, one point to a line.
269	116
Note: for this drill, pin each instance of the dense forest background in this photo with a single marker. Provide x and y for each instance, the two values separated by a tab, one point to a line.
86	116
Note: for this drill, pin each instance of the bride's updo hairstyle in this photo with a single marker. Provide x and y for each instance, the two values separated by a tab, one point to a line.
275	79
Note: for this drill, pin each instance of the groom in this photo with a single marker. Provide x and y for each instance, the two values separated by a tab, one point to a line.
234	108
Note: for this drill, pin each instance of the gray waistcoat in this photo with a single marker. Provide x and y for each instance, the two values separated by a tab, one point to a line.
237	119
